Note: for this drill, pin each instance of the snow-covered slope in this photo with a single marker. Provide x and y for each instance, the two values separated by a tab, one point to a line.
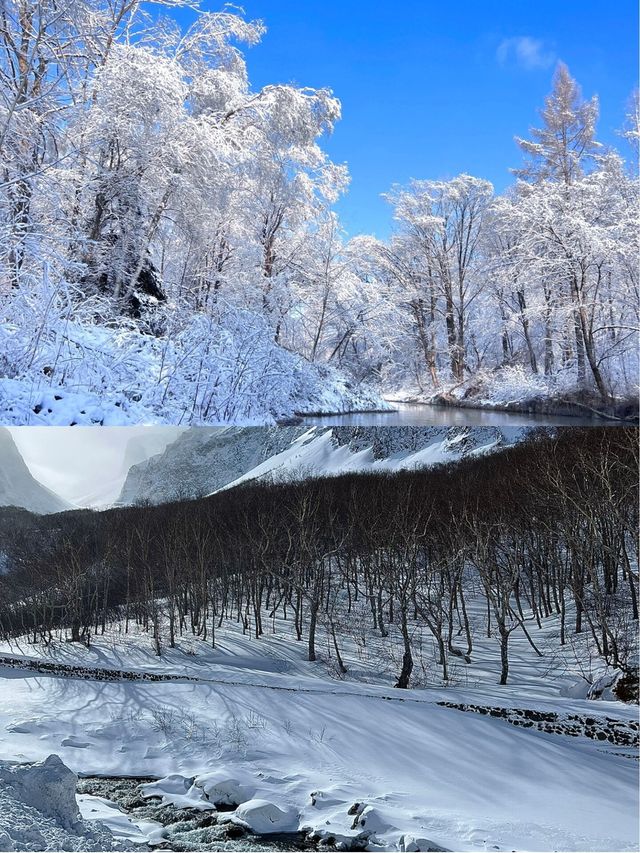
201	460
253	723
18	487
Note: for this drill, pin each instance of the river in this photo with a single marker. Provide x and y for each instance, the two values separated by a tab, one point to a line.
422	414
111	798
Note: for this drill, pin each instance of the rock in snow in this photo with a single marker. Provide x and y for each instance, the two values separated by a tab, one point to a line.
39	811
264	818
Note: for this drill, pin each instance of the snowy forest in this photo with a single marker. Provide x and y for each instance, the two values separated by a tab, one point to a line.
442	658
546	527
169	250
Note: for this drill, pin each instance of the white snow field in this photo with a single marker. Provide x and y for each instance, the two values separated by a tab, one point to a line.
251	723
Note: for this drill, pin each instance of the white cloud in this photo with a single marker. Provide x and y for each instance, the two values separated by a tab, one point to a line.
527	52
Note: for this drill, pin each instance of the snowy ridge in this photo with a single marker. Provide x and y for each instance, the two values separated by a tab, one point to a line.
203	461
322	454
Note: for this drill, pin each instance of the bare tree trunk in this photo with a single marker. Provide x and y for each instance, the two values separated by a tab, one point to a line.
313	621
407	658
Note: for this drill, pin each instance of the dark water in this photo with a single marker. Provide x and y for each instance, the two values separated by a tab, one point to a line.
420	414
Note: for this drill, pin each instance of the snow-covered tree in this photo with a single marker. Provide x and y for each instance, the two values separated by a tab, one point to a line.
442	222
558	150
169	244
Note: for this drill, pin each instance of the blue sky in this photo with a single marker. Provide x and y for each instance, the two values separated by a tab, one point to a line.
432	89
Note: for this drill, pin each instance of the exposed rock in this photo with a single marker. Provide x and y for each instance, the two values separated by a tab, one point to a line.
618	732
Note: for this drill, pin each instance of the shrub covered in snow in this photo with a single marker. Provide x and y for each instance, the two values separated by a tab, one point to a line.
196	371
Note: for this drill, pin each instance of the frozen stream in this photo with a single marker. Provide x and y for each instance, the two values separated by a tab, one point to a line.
422	414
185	829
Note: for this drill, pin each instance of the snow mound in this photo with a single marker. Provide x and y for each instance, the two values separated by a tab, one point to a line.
36	404
39	811
372	822
223	790
172	784
175	789
48	786
411	844
209	791
264	817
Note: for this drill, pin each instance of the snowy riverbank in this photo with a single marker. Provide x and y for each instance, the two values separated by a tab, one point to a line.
513	391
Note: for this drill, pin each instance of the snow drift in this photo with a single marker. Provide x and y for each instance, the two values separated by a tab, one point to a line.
39	811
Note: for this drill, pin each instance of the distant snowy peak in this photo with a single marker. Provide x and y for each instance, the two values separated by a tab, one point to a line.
18	487
204	460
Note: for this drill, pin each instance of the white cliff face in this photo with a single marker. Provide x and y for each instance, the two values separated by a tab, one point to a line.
203	460
18	487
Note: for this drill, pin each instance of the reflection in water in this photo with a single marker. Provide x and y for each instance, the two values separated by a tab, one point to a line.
419	414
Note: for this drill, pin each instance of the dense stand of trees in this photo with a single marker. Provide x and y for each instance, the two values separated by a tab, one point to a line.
168	243
546	527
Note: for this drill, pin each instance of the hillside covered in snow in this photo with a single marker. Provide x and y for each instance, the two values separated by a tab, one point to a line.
166	464
202	460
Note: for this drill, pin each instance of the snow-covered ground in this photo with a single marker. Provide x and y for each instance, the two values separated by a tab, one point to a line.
253	723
